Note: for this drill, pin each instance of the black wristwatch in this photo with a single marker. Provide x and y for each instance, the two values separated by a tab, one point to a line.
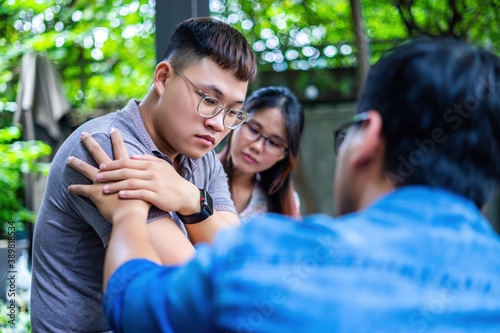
207	210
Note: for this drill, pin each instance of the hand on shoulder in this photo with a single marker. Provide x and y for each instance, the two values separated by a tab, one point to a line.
111	206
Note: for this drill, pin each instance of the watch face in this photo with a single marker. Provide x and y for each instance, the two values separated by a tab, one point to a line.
206	210
207	201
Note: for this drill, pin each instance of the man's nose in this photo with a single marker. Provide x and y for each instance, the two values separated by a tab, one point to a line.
217	122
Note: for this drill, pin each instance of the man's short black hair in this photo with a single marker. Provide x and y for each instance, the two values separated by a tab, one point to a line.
206	37
440	104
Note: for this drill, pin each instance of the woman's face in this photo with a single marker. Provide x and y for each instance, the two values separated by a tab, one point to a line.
260	143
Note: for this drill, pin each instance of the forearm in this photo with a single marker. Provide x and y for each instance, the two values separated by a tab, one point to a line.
205	231
129	240
172	246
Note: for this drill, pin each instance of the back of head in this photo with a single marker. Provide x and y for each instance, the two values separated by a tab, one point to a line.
440	104
204	37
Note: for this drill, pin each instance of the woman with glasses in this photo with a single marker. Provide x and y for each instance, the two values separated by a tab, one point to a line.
260	155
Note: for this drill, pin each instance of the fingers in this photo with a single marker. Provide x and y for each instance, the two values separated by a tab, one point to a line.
84	190
125	164
119	149
94	148
122	174
144	195
130	184
146	157
83	167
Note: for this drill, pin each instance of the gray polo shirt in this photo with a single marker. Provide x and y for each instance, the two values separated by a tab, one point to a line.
71	236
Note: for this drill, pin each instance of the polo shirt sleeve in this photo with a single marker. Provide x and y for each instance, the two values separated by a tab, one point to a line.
142	296
218	186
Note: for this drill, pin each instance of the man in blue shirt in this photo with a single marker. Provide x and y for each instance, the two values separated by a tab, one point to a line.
411	252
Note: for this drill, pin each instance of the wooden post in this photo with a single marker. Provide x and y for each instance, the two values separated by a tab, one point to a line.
360	42
169	13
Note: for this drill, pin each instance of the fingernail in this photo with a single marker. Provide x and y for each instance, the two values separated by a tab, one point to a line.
69	159
84	134
99	177
102	166
106	188
112	130
121	194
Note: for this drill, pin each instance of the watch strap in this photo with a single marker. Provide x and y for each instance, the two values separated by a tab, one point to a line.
205	212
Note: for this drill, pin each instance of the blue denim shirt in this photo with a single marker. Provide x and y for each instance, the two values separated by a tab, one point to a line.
417	260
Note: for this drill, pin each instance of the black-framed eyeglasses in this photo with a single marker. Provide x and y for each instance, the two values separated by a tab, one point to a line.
272	146
209	107
341	131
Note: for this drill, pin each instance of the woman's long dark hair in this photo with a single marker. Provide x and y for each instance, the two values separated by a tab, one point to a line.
277	180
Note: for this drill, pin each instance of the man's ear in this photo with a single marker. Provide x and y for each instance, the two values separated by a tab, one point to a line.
368	141
163	71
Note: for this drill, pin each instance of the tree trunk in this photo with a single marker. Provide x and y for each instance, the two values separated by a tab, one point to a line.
361	42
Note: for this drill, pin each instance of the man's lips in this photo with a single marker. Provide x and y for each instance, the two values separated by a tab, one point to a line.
206	139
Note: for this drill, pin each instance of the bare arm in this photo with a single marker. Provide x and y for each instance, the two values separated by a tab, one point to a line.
129	240
172	245
206	230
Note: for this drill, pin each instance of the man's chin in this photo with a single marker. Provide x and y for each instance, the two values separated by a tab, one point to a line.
195	155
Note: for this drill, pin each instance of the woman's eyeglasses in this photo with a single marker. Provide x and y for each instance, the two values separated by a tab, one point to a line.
273	146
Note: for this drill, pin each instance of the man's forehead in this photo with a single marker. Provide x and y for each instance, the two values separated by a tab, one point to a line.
218	81
207	62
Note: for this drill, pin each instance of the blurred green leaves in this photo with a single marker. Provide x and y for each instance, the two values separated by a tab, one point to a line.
319	34
16	159
91	42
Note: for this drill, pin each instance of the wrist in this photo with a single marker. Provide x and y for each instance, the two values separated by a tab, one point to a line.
191	202
135	215
206	209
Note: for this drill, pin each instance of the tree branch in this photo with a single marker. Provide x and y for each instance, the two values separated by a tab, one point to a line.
455	19
411	25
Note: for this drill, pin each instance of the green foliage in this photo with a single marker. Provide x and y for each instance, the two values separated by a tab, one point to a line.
305	34
292	34
104	49
22	320
17	158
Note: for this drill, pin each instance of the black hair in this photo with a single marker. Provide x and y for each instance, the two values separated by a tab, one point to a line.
206	37
277	180
440	104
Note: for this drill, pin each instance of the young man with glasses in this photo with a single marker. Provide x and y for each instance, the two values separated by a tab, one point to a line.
196	99
410	253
